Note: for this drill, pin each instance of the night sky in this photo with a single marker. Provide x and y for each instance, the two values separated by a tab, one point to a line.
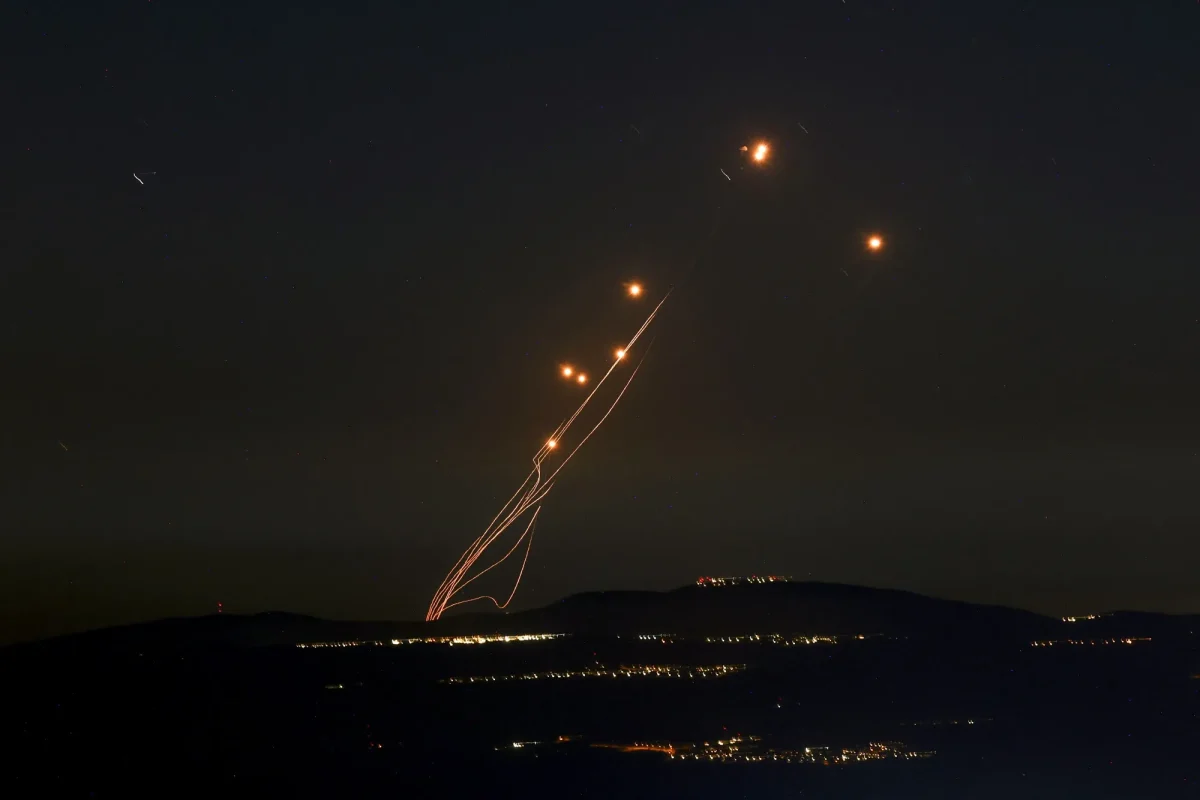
300	365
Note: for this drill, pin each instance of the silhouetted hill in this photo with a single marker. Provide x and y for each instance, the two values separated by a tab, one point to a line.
801	608
804	608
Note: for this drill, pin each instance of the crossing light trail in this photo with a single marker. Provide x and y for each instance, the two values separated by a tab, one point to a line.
526	502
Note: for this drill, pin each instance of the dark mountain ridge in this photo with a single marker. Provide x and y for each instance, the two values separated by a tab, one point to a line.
809	608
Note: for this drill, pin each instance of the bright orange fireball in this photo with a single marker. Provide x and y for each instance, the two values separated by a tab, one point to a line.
635	289
875	243
567	372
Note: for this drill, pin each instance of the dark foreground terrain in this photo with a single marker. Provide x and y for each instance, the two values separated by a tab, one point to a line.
777	690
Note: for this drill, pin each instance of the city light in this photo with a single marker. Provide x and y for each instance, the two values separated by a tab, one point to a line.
777	639
741	749
735	581
626	671
444	640
1119	640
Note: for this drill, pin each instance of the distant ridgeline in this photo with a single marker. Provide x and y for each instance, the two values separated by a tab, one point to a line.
704	580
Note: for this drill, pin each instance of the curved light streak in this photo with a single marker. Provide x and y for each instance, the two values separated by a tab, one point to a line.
529	495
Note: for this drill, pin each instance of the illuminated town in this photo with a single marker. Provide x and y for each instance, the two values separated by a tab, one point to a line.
1124	640
1085	617
779	639
750	749
450	641
633	671
738	581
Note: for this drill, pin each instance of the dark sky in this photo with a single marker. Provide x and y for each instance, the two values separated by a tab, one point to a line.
301	365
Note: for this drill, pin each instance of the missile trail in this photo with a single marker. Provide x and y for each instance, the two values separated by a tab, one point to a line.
536	487
529	495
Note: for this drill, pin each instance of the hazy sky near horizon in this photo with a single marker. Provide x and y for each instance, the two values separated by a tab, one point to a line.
284	290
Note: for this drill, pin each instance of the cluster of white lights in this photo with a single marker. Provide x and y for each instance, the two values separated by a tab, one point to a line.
778	639
1123	640
636	671
737	580
446	640
749	749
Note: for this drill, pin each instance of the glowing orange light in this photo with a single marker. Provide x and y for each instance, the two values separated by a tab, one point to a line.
635	289
875	243
460	575
760	152
582	378
620	354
